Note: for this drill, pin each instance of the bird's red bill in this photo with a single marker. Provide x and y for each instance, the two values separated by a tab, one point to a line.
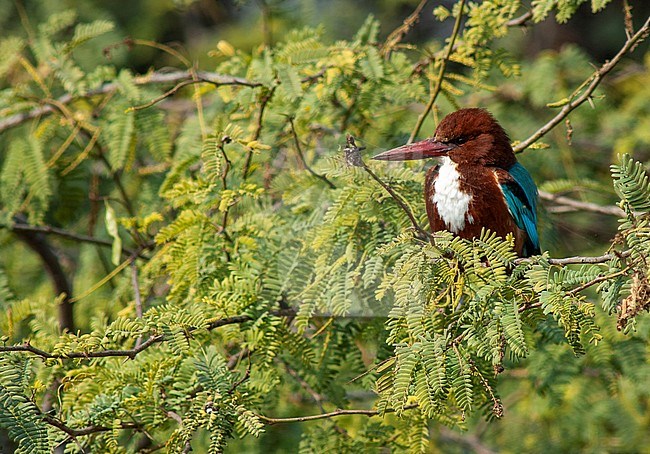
424	149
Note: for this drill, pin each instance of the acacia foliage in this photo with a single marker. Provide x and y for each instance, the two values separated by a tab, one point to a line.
266	265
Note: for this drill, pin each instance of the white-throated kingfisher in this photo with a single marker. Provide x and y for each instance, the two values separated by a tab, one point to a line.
479	183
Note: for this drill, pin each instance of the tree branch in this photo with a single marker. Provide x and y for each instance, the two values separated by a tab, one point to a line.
301	156
598	280
441	74
333	414
580	260
573	204
49	230
153	78
520	21
131	353
85	430
353	157
592	83
264	100
398	34
37	241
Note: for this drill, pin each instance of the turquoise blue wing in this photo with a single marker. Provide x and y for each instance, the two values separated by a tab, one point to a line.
521	197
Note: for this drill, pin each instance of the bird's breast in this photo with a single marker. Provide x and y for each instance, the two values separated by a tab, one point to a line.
450	201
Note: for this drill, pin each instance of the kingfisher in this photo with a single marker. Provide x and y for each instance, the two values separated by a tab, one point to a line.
479	182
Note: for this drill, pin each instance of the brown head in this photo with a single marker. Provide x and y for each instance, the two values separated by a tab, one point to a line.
467	136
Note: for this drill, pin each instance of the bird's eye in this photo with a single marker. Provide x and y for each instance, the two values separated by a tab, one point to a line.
459	140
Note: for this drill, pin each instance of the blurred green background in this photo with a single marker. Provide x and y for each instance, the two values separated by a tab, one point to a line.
555	59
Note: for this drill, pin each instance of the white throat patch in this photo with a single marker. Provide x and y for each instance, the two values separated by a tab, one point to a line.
451	202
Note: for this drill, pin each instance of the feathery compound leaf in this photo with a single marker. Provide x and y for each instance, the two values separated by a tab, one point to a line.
289	81
85	32
19	415
372	66
631	183
10	49
120	137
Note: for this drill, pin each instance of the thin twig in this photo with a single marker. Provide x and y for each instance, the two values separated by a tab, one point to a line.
580	260
301	156
398	34
333	414
137	296
85	430
441	74
266	97
153	78
584	206
132	353
591	84
165	95
244	377
353	156
318	398
520	21
598	280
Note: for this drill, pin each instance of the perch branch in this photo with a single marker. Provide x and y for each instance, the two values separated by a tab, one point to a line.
353	157
580	260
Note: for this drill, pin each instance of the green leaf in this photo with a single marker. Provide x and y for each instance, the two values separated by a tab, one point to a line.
289	81
120	135
113	231
86	32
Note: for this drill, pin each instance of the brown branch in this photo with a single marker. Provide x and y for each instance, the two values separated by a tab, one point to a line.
398	34
520	21
473	442
264	100
598	280
131	353
49	230
441	74
153	78
85	430
573	205
318	398
591	84
580	260
138	297
244	377
165	95
353	157
301	156
333	414
37	241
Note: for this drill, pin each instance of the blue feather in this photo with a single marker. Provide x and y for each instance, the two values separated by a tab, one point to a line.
521	198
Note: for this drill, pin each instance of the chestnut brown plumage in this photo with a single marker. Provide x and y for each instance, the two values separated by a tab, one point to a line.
480	184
